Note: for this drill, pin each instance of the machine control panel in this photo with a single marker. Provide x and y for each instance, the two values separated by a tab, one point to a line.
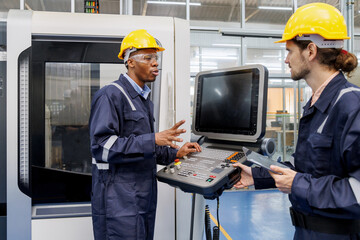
208	172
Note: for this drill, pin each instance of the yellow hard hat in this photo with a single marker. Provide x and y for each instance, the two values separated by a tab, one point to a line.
138	39
316	18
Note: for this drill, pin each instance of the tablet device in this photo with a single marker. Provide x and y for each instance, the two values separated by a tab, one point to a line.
261	160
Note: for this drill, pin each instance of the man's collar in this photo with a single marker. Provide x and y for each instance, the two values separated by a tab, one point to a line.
129	87
329	92
143	92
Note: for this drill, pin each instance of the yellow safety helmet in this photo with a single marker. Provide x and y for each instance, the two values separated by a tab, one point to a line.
316	18
138	39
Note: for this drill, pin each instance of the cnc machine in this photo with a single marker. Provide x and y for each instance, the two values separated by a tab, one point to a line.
55	63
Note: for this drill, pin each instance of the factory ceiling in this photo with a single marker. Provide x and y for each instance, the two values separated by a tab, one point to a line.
257	11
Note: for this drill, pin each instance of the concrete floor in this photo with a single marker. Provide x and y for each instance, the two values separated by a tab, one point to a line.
253	215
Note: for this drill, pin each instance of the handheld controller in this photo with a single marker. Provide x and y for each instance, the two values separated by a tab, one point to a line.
208	173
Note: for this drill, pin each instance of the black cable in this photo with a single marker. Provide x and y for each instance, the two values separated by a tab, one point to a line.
207	223
192	216
217	212
201	140
216	233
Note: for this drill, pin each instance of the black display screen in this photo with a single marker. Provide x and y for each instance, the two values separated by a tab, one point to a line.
227	102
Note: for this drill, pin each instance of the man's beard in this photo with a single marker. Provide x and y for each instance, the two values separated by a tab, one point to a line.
303	71
300	75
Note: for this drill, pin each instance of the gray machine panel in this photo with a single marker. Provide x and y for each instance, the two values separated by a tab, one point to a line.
2	129
208	172
229	111
2	112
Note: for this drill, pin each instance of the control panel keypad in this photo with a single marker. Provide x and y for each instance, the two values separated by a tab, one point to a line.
235	157
205	165
203	172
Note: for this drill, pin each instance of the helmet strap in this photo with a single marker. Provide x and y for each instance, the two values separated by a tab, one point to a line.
320	41
127	54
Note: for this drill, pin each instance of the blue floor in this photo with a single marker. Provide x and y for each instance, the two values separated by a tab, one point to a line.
253	215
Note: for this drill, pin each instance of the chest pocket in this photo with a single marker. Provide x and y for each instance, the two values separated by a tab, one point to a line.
136	122
320	145
320	153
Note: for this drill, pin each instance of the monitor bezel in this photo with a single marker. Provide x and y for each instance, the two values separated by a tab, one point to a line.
260	111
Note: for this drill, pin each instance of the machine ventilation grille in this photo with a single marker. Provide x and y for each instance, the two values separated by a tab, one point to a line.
24	122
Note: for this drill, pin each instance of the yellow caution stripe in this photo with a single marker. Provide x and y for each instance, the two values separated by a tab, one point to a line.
221	228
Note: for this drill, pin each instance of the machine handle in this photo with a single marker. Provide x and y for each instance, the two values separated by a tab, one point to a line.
171	106
24	164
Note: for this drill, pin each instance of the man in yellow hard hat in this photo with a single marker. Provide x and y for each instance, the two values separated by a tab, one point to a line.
125	148
324	183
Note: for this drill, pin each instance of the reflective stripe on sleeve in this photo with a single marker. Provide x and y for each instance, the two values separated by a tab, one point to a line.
127	97
107	147
100	166
355	186
346	90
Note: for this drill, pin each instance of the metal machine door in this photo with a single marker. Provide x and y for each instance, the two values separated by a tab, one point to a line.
63	75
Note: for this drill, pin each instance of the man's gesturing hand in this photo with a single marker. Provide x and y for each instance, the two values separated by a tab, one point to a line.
166	137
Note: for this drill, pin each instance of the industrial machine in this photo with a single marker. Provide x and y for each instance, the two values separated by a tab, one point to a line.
3	126
55	63
229	112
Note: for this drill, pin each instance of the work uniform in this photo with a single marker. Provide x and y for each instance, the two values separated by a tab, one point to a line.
327	159
125	155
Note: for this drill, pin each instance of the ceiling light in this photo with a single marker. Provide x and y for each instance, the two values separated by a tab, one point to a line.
275	8
251	33
270	56
226	45
219	57
203	63
172	3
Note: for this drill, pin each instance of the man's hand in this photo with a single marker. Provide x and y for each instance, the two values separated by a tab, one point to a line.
187	148
246	176
166	138
284	180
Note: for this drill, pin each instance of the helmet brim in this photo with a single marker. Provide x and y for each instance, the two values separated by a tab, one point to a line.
158	49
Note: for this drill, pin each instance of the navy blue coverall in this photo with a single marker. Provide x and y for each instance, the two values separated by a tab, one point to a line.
124	187
327	161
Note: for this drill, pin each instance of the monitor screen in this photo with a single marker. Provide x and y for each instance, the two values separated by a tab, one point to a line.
230	104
